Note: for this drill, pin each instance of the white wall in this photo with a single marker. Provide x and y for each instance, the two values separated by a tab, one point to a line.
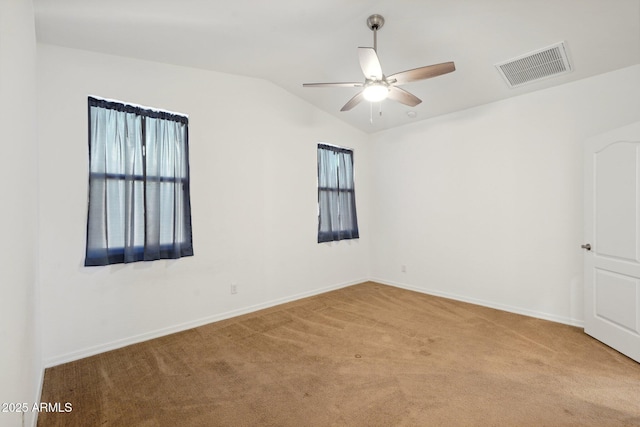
254	198
20	368
485	205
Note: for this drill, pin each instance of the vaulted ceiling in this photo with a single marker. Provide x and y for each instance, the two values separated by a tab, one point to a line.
291	42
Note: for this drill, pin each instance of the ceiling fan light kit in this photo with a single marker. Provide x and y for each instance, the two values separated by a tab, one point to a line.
377	86
375	92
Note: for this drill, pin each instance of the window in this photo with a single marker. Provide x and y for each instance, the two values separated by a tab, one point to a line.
336	194
139	206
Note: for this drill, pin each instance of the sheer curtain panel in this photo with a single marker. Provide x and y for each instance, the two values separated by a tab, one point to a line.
139	205
337	218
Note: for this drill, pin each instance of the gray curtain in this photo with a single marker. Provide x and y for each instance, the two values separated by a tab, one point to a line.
139	206
337	219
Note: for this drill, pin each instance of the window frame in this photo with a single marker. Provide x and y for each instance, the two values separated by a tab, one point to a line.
339	233
116	254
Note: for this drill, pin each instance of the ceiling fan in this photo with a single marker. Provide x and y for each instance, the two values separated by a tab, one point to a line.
376	85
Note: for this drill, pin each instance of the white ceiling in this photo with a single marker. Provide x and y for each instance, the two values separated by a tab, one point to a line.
290	42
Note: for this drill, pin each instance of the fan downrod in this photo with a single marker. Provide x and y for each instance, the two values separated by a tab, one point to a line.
375	22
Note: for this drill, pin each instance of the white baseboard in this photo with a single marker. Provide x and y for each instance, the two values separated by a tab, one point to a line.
91	351
101	348
33	422
484	303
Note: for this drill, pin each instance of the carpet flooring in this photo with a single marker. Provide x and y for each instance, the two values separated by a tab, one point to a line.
365	355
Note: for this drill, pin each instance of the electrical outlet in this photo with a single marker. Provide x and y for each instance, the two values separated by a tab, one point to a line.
403	268
234	288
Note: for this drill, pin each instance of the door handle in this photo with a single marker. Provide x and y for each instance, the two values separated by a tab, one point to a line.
586	246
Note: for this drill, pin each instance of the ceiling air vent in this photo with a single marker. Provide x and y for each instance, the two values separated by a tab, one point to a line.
537	65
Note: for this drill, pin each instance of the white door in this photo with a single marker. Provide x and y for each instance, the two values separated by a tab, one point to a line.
612	230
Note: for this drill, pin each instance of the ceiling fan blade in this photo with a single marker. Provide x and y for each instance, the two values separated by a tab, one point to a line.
403	97
370	63
354	84
357	99
421	73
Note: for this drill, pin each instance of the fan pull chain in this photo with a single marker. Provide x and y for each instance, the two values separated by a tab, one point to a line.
371	113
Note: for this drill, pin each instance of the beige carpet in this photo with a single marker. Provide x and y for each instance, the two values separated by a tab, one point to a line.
366	355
